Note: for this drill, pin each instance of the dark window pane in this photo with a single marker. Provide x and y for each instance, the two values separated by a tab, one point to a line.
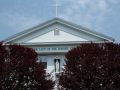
43	58
45	64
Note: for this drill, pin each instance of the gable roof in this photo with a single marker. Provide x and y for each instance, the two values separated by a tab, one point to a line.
61	21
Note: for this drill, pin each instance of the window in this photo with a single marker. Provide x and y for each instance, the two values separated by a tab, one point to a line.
43	59
56	32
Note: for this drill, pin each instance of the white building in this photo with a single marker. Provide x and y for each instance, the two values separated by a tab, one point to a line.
52	39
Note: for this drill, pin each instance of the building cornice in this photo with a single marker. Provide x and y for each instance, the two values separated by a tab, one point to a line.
59	43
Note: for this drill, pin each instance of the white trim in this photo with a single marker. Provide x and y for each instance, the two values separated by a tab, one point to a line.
57	20
59	43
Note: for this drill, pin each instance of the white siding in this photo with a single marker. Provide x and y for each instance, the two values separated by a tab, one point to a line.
50	63
50	37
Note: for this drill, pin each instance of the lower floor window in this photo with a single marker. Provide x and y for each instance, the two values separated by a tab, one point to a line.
43	59
45	64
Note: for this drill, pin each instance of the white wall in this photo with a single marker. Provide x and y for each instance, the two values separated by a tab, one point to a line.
50	61
51	65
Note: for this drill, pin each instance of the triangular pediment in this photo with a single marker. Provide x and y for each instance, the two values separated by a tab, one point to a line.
69	32
60	37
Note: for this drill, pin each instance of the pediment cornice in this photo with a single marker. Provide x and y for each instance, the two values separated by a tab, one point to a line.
59	21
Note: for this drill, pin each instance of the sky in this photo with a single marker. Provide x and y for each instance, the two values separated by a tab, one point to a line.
102	16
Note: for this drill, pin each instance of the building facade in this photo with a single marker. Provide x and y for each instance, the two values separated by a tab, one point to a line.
53	39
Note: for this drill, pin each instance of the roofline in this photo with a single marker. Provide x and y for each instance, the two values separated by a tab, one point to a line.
24	32
87	30
42	25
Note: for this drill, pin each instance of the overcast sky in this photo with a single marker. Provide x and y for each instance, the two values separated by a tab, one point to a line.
102	16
